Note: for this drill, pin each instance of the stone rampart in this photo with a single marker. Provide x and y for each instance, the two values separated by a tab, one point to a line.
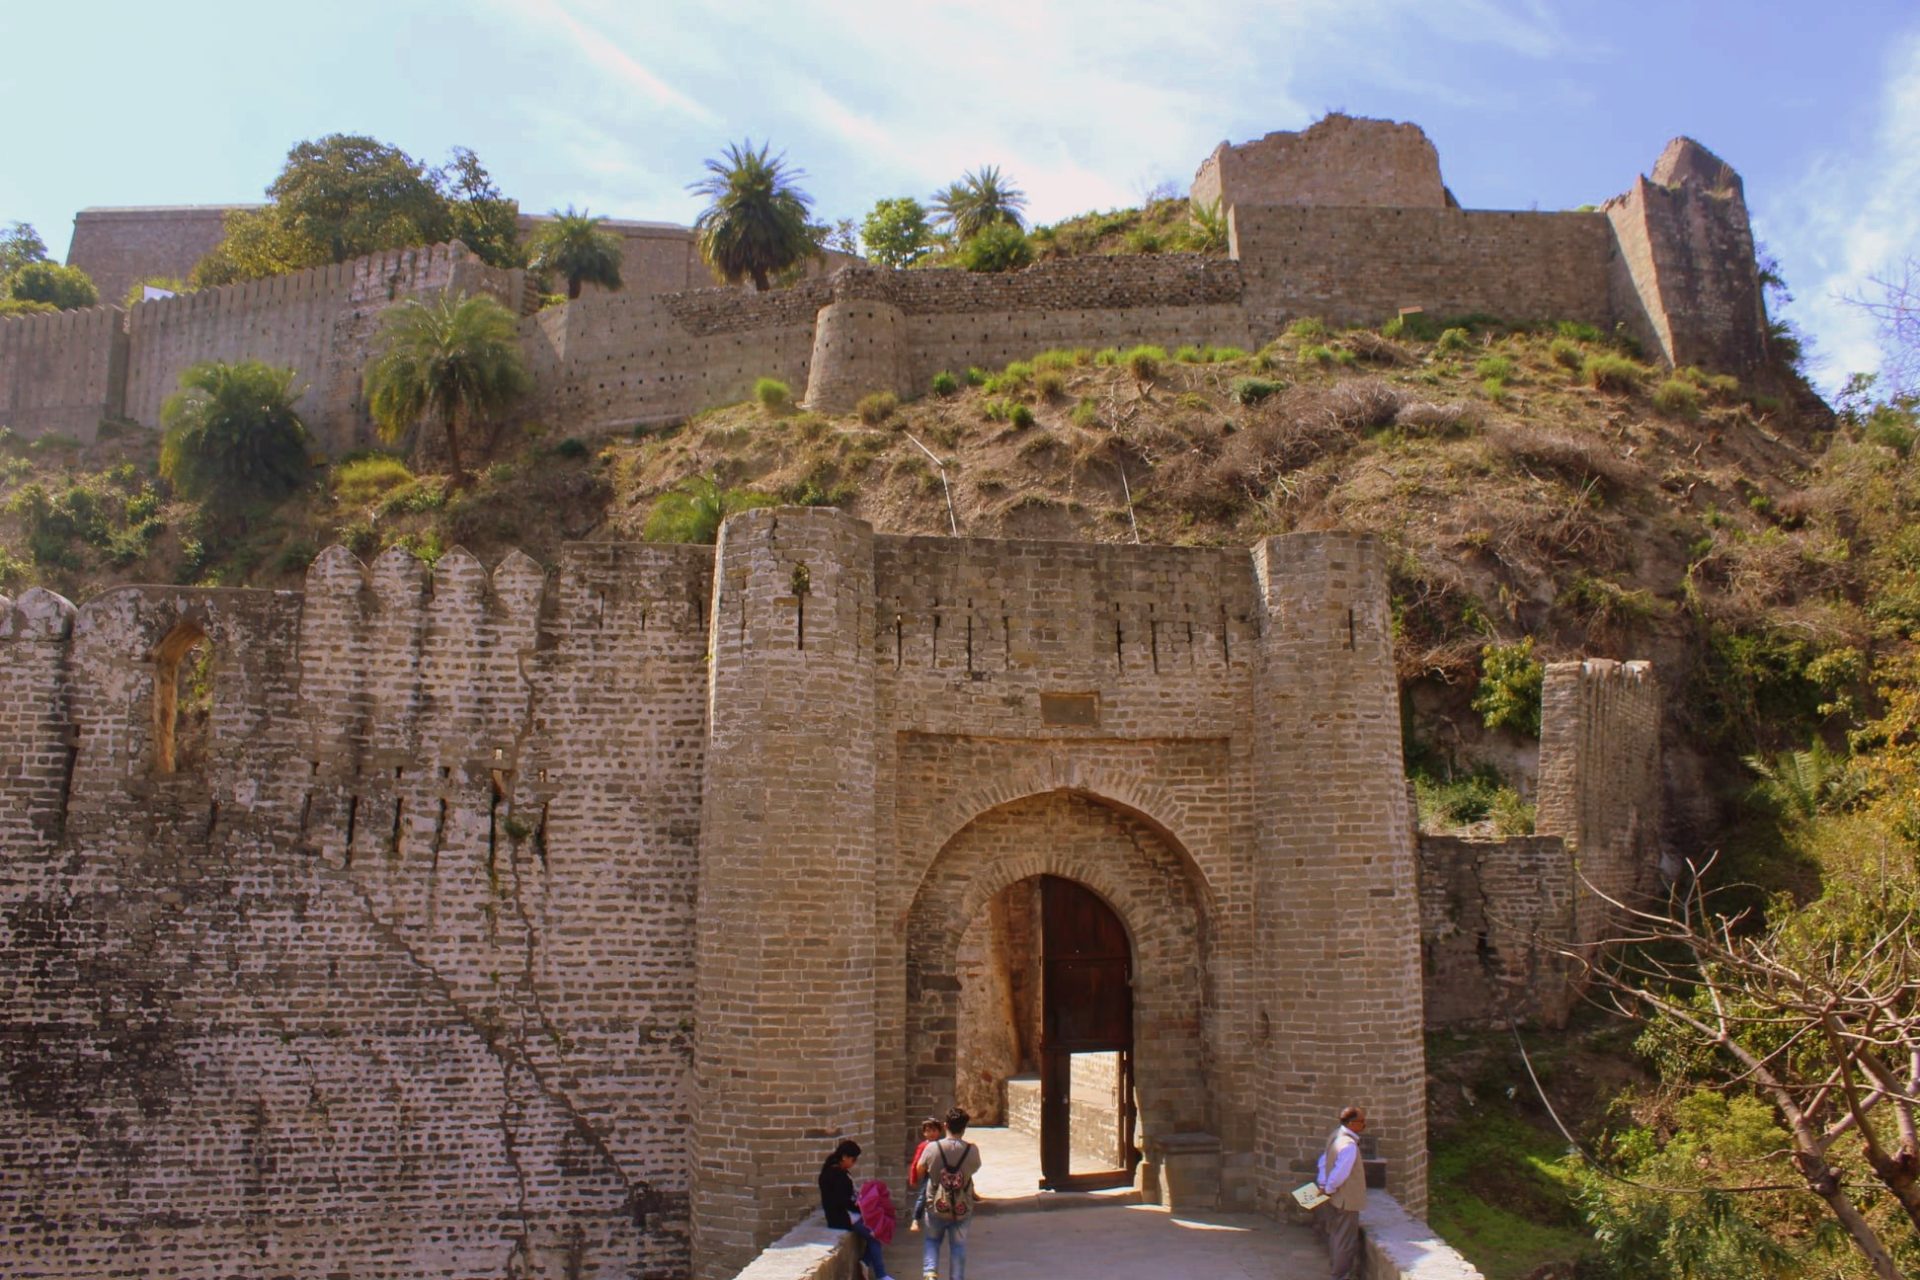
1494	913
1362	266
62	373
1340	160
117	247
319	323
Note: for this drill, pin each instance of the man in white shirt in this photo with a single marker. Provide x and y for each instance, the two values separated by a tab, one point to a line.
1343	1179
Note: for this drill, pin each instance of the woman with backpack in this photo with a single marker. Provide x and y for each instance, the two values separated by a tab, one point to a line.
949	1166
837	1201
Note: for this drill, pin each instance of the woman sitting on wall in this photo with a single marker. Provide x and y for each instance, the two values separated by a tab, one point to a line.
843	1213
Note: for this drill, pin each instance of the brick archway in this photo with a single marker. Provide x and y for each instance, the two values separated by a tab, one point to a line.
1147	880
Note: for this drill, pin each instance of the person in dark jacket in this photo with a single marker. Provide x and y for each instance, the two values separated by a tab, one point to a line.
842	1210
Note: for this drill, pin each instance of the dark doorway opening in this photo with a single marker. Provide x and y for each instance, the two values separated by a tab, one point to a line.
1087	1115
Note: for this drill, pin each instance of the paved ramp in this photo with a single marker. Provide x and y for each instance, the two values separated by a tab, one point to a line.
1023	1234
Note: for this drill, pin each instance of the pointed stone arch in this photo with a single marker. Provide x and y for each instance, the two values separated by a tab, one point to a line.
182	726
1140	871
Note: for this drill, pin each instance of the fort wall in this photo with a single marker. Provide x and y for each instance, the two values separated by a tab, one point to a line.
62	373
1493	912
1339	161
1362	266
117	247
320	323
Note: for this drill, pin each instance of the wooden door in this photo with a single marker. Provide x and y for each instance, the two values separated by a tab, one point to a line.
1086	1007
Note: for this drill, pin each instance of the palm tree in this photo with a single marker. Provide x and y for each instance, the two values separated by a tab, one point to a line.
575	245
454	357
757	224
233	428
980	199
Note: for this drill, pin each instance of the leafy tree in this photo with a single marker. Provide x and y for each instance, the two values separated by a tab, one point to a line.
693	510
484	220
454	358
979	200
350	195
1510	683
576	246
999	247
19	245
1816	1015
347	195
62	287
757	222
137	291
896	233
232	429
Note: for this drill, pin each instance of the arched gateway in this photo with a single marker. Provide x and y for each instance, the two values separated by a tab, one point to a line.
1146	881
1205	741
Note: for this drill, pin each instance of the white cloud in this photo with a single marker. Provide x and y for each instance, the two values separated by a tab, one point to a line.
1854	214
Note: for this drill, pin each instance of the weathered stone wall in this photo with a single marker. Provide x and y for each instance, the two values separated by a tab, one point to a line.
116	247
1339	160
1362	266
62	372
1685	280
319	323
1493	913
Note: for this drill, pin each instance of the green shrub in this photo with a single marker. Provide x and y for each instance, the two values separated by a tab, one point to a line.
1316	354
1417	326
1107	356
1050	384
774	395
1224	355
976	376
1000	247
1451	340
362	479
945	384
359	537
1143	362
1566	354
428	493
1609	372
572	448
1678	397
1251	391
877	408
1574	331
1497	367
1020	416
998	409
692	510
1496	389
1056	360
295	556
232	428
1307	327
1510	682
1086	414
1189	354
1017	374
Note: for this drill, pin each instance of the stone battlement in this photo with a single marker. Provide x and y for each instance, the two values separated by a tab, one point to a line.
1346	221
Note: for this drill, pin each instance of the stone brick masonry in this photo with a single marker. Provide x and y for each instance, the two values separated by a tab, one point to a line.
1346	221
554	922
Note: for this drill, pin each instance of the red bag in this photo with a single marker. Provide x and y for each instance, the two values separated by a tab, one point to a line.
876	1209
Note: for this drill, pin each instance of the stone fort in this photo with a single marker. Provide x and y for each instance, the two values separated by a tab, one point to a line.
554	920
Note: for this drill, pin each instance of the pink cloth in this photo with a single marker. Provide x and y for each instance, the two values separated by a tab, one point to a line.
876	1209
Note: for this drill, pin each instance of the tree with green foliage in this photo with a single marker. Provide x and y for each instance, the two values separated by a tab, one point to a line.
693	510
895	232
999	247
482	219
579	249
757	223
981	199
19	245
63	288
1510	682
137	291
453	358
1814	1014
232	429
346	195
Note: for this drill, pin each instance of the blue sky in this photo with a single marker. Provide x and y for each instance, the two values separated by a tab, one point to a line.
614	106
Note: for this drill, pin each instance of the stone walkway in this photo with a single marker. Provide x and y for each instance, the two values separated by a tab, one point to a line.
1023	1234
